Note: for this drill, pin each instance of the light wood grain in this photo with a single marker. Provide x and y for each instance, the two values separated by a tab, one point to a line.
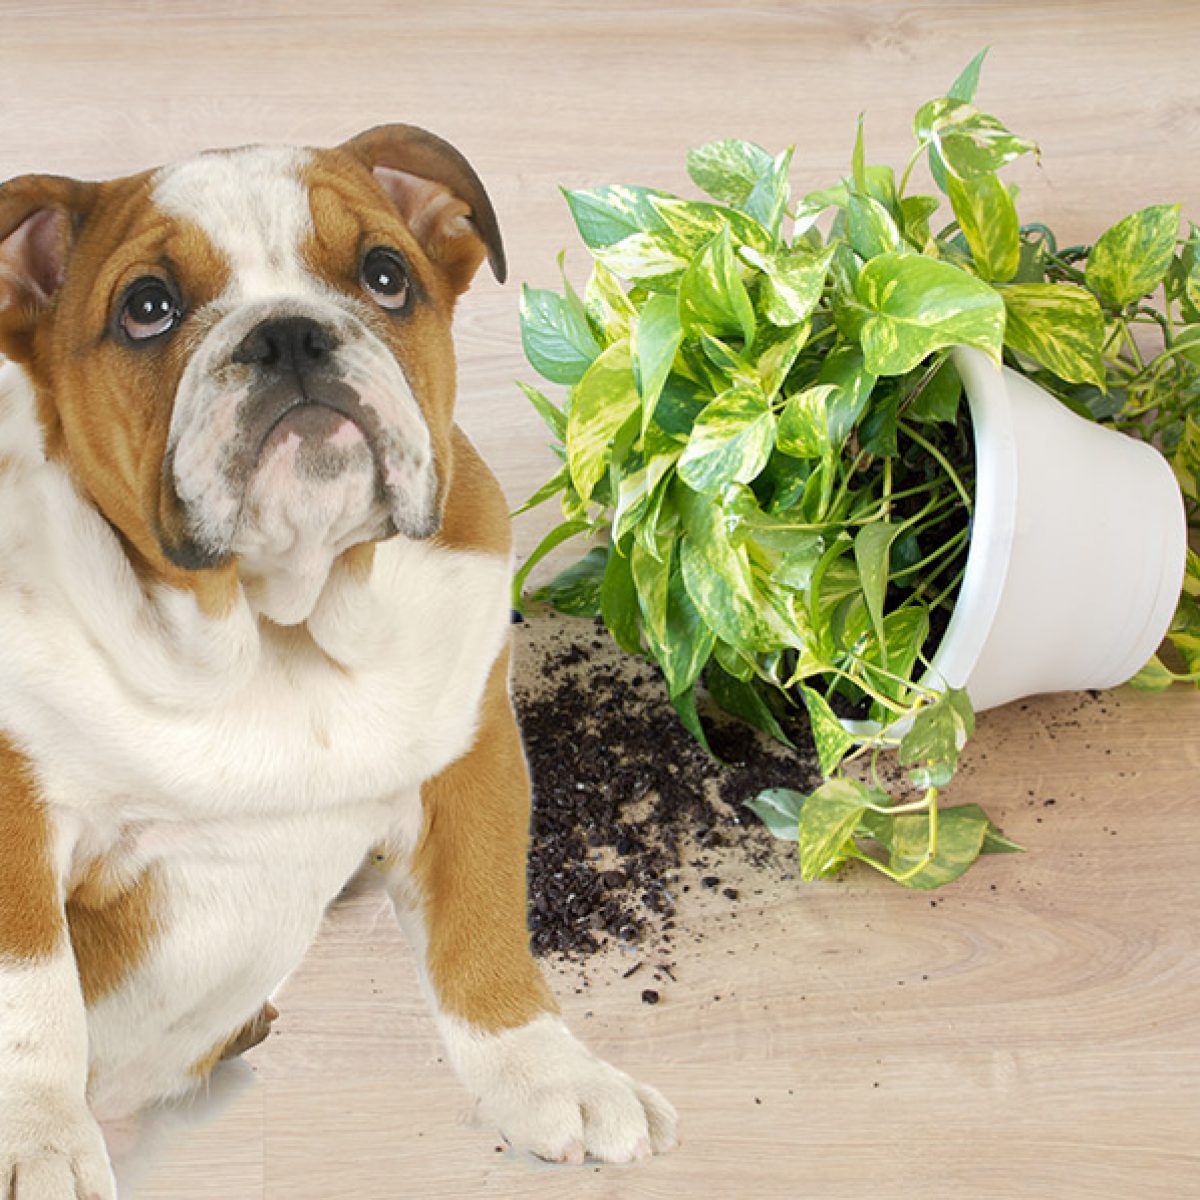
1035	1033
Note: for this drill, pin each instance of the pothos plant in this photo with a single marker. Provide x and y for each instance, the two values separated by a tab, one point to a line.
764	432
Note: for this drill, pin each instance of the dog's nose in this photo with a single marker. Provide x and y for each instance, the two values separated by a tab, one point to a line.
287	343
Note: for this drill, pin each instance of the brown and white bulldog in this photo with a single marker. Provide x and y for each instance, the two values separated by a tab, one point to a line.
254	632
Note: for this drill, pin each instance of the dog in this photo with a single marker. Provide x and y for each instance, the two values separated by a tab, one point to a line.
254	633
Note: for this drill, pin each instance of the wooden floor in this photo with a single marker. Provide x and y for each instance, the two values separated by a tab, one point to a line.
1033	1031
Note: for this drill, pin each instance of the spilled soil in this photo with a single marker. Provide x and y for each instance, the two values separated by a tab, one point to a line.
629	811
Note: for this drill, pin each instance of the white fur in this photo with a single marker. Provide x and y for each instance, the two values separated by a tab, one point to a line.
550	1095
253	206
50	1144
542	1087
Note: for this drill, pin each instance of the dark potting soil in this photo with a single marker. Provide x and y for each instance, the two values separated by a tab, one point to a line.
626	803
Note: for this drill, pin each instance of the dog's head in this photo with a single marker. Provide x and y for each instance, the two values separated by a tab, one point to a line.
245	359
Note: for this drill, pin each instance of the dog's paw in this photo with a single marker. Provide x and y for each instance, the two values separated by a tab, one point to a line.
51	1149
551	1096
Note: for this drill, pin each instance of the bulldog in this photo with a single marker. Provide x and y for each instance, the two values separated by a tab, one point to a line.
254	634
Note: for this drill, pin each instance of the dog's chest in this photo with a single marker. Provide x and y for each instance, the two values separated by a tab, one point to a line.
201	719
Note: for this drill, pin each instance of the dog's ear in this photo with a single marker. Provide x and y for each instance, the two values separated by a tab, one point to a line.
439	196
39	216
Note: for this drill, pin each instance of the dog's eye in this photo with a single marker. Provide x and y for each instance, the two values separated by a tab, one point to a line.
150	308
384	276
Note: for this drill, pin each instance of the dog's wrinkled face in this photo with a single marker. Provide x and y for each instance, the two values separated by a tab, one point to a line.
245	358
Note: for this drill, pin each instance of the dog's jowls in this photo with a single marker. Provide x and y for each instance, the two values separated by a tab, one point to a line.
253	634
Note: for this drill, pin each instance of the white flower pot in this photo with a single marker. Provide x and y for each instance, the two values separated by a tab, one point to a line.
1078	545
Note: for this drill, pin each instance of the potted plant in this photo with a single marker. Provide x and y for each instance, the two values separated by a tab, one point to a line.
764	428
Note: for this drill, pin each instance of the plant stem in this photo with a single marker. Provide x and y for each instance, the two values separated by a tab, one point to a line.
934	555
942	461
952	586
930	802
875	695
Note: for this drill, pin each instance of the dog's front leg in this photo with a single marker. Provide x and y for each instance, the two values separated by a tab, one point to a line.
50	1146
463	900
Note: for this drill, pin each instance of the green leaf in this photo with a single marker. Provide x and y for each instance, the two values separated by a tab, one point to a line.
685	705
1058	325
554	417
728	170
656	338
960	834
872	549
557	338
733	661
988	218
848	314
681	402
845	367
994	842
555	484
919	305
879	428
963	88
804	423
870	228
731	366
712	295
604	399
1153	677
556	536
858	168
1032	267
743	699
654	259
606	216
730	442
964	141
636	490
932	743
794	282
963	710
778	350
651	578
828	819
779	809
795	568
718	577
915	212
881	185
576	590
829	735
689	640
618	602
939	399
767	203
694	223
906	629
1130	259
607	303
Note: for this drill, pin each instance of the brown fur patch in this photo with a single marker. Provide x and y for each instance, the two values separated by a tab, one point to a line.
105	408
351	214
111	931
256	1030
475	515
469	870
31	918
